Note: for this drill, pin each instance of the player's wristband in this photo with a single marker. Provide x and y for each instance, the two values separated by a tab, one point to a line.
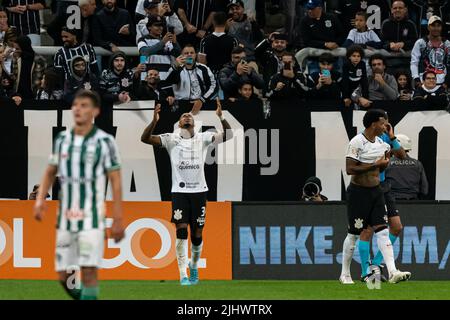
395	144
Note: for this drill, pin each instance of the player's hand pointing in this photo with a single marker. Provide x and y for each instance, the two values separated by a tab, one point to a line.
39	209
156	112
219	108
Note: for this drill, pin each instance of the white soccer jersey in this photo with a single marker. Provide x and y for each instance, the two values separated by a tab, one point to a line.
83	163
187	158
363	150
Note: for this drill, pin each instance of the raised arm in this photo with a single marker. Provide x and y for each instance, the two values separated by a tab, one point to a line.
147	136
227	133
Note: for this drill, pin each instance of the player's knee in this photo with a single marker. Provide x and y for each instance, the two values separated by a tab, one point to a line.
196	241
366	234
182	233
396	229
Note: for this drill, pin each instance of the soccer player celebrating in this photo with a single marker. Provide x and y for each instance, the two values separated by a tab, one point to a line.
187	150
367	156
83	158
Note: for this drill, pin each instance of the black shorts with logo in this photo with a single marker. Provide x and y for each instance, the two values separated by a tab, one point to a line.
365	207
391	205
189	208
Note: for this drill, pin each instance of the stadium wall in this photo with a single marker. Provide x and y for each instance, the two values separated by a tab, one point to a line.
268	159
303	241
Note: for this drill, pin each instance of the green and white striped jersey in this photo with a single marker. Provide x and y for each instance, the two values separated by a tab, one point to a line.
83	163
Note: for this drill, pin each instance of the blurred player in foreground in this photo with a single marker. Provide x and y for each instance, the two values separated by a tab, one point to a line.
187	150
83	158
367	157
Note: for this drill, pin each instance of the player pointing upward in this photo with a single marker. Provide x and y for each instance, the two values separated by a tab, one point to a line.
187	150
83	158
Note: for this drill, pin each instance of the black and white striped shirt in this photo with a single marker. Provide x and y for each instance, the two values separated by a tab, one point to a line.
64	56
197	11
28	22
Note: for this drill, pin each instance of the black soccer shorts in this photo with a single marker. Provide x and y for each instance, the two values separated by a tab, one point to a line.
189	208
391	205
365	207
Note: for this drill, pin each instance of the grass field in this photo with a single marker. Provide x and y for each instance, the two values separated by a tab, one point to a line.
217	290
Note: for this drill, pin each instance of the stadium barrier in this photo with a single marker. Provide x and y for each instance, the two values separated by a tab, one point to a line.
268	159
303	241
27	247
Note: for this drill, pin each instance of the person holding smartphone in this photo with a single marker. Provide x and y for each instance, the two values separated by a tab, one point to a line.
326	82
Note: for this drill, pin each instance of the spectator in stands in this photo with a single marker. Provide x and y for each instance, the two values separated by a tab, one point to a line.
170	20
245	93
289	82
24	15
320	29
150	89
238	71
196	16
325	84
160	50
88	9
404	84
431	54
4	26
81	78
7	90
7	53
432	94
354	74
346	10
72	48
269	53
245	30
398	32
407	177
50	86
382	86
361	35
116	82
422	10
30	68
192	81
114	27
216	48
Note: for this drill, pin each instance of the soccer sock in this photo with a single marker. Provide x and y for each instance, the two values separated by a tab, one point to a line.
196	251
385	246
181	248
347	253
89	293
364	254
74	293
379	257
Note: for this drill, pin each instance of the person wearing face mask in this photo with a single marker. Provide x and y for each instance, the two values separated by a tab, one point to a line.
81	78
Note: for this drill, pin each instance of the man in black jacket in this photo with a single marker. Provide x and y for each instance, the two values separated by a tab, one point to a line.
114	27
81	78
269	53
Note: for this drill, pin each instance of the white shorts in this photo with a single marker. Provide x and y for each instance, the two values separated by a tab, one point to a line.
82	249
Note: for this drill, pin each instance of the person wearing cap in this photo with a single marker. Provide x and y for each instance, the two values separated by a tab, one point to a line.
245	30
71	49
326	83
160	50
431	94
422	10
312	189
269	53
431	53
320	29
156	8
113	27
407	177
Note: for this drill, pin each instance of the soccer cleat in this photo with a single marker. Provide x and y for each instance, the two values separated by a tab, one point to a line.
346	279
383	271
398	276
185	282
193	275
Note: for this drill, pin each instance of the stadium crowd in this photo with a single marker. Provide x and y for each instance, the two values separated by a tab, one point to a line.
238	50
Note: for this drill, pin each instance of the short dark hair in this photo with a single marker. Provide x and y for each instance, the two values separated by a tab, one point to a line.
377	57
88	94
373	115
403	1
220	18
326	57
189	46
237	50
355	48
427	73
361	14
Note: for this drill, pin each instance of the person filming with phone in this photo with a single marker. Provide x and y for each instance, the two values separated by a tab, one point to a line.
325	84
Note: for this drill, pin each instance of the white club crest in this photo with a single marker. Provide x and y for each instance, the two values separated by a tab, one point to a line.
328	23
364	5
359	223
178	214
87	86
